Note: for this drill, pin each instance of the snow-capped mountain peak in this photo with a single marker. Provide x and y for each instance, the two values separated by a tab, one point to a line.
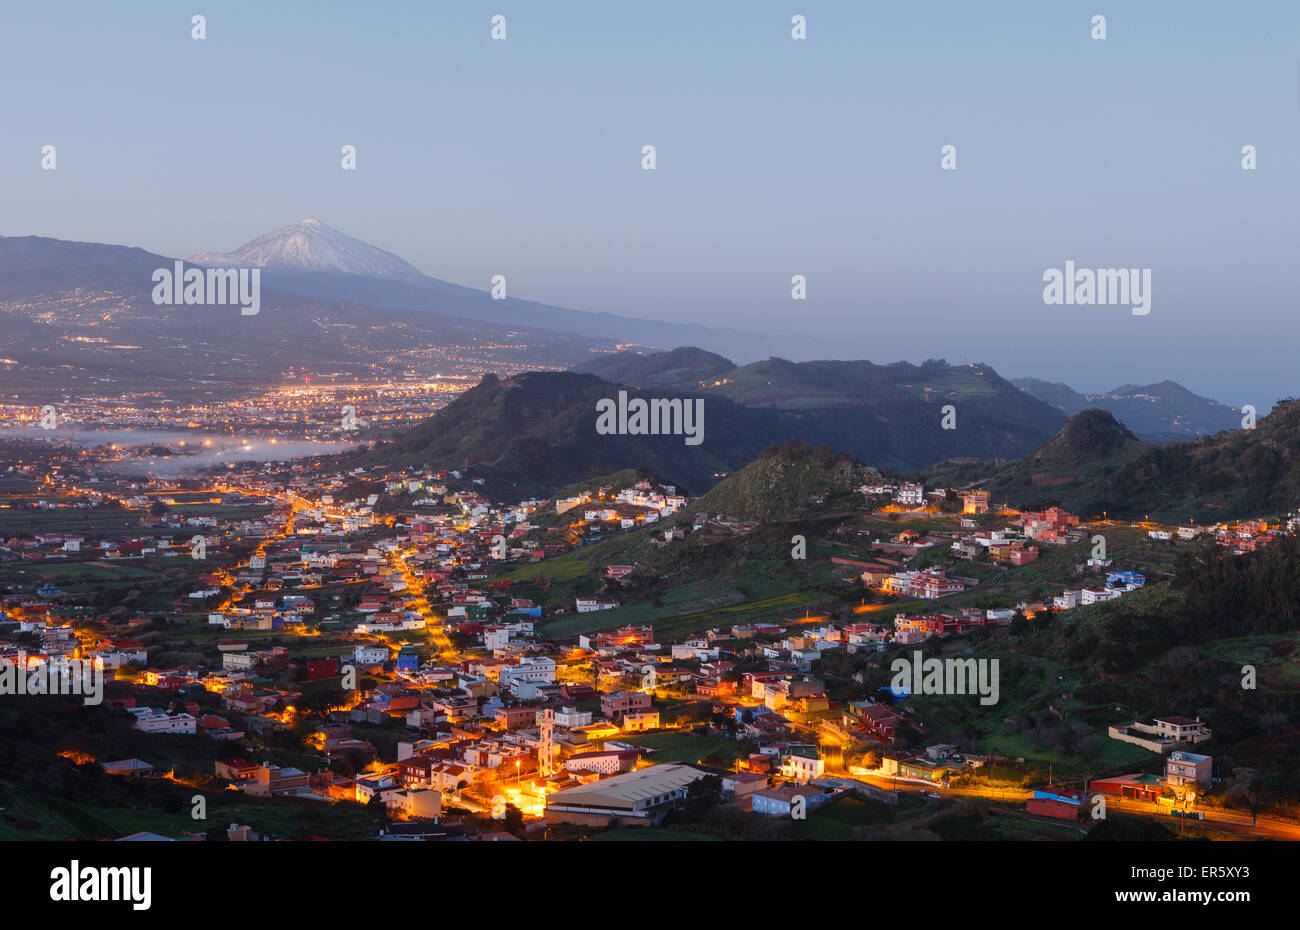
310	245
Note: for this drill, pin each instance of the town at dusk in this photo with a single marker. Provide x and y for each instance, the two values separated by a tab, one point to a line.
727	429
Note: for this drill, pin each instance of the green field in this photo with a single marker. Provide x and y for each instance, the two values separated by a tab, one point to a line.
688	609
837	820
684	746
60	819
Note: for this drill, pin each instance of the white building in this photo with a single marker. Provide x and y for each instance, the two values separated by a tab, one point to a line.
636	721
571	717
533	670
370	655
1097	595
159	722
911	495
802	768
1067	600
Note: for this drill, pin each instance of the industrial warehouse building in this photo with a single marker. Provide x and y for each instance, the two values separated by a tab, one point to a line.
640	797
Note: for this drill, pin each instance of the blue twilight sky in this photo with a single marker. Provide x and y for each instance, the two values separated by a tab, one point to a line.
775	157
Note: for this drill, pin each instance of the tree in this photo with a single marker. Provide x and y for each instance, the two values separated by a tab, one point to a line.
724	722
513	821
703	793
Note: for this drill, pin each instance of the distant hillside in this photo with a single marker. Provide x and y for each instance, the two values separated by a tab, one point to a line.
34	265
536	431
1162	412
863	390
73	313
1096	465
887	415
777	382
789	482
783	384
683	369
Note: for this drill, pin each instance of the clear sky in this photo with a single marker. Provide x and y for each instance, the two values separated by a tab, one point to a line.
775	157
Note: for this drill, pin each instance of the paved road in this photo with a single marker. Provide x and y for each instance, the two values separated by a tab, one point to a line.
1229	821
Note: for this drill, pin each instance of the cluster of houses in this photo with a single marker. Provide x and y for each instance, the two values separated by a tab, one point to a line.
1117	584
910	495
44	546
1185	775
1018	543
929	584
554	728
641	503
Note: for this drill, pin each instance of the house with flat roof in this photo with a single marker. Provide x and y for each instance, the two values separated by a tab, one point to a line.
1188	768
1163	734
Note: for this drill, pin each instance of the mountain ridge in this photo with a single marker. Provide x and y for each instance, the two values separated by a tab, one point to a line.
1161	412
536	431
1097	466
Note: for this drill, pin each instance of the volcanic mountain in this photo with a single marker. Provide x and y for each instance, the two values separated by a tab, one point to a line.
310	245
79	317
311	259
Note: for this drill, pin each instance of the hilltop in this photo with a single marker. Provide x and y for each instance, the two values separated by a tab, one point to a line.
684	369
1070	467
790	482
535	432
782	384
1097	465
